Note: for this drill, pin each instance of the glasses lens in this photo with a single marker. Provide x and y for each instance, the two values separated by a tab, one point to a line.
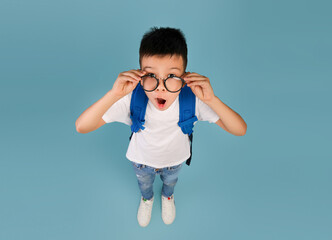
149	83
173	84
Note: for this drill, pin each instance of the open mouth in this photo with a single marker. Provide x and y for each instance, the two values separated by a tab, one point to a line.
161	102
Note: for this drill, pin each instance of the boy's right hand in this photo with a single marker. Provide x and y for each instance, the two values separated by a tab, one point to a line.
127	81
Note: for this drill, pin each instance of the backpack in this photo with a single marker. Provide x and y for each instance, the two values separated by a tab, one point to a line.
187	101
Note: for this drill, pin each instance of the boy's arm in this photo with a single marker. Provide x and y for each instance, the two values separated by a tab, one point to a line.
91	118
228	119
220	124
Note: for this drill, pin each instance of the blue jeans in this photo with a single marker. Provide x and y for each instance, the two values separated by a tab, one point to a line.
146	175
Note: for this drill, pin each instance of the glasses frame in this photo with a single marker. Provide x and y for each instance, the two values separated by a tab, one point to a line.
164	81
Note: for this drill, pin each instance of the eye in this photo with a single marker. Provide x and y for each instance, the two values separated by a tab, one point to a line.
171	75
152	75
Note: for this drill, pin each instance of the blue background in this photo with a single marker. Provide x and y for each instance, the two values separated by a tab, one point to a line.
270	61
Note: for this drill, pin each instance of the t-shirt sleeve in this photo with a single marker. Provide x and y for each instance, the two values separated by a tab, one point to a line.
204	112
119	111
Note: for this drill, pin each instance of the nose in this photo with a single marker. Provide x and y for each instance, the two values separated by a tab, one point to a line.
161	86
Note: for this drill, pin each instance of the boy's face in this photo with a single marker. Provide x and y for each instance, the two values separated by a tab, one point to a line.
162	66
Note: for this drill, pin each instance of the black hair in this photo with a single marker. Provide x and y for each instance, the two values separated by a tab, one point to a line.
164	41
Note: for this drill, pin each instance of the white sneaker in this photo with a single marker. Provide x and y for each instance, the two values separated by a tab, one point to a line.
144	212
168	209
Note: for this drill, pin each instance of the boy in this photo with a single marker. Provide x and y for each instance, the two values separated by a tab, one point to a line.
160	147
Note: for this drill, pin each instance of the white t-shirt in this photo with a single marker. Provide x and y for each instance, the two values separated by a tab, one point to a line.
162	143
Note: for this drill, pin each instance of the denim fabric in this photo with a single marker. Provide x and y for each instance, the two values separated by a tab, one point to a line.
146	175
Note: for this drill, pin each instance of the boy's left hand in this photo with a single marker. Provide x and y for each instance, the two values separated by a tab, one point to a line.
200	85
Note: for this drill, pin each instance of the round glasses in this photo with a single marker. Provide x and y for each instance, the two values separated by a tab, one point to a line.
172	83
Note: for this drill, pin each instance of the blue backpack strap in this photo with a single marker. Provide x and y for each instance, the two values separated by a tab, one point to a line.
187	118
138	103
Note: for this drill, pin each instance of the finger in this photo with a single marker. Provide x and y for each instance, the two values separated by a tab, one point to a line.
196	78
134	84
193	74
185	74
126	80
132	75
195	83
139	72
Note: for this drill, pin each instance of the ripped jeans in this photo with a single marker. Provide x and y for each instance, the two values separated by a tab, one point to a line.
146	175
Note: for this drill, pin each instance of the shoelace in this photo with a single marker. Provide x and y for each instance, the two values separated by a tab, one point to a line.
147	203
168	200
